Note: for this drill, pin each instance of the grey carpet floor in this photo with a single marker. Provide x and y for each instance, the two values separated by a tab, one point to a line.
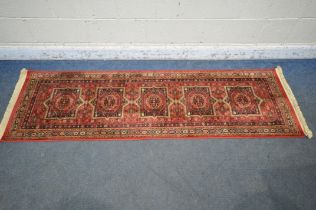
162	174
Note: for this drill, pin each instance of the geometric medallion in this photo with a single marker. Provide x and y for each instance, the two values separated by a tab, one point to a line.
198	101
63	103
242	100
153	102
108	102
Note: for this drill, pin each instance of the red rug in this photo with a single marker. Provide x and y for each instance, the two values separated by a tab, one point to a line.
122	105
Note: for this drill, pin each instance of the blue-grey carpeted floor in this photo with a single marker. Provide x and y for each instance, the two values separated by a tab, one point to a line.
198	174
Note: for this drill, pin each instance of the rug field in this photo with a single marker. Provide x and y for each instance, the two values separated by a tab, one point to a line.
161	104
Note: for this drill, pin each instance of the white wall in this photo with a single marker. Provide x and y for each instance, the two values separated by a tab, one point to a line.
31	29
157	21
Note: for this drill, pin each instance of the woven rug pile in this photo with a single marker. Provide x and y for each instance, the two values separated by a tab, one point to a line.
124	105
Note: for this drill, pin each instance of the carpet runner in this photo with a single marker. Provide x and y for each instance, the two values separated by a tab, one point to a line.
161	104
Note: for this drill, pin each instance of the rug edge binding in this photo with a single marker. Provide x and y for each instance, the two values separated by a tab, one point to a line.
12	102
294	102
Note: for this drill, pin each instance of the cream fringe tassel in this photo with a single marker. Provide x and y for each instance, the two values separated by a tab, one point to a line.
14	97
294	103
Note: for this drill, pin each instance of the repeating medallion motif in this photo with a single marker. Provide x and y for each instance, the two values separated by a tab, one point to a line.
153	102
198	101
243	101
63	103
108	102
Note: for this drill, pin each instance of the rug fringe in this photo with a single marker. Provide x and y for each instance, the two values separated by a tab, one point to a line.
294	103
12	102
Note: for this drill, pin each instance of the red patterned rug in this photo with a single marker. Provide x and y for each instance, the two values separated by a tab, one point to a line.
123	105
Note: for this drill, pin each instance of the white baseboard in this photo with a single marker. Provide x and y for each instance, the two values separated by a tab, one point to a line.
156	52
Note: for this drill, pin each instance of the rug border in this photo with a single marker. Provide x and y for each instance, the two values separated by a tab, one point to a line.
196	138
290	95
16	93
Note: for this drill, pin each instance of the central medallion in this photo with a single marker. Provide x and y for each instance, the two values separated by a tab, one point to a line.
108	102
153	102
198	101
